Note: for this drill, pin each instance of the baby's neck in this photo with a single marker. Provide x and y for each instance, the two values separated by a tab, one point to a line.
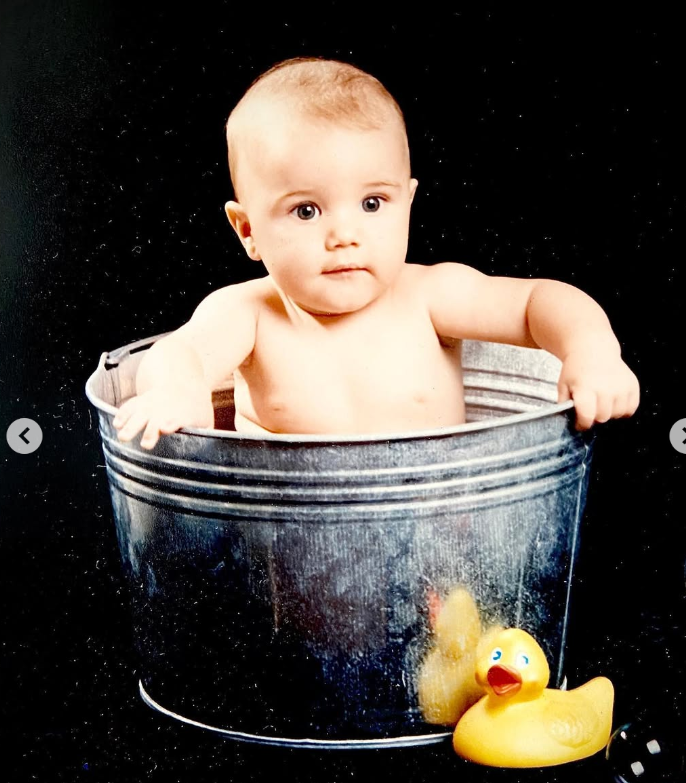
303	316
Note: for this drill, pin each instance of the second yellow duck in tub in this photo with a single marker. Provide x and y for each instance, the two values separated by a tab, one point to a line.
522	723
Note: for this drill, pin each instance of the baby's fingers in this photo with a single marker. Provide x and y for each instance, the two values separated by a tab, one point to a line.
585	403
626	406
131	424
633	398
628	396
159	425
563	392
605	408
124	414
151	435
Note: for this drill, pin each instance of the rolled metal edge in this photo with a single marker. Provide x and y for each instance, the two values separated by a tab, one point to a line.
306	743
111	360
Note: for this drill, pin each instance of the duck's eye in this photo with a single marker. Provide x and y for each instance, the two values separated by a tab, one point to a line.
371	204
497	654
306	211
523	660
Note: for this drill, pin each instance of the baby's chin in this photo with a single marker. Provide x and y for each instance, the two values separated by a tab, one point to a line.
336	309
341	304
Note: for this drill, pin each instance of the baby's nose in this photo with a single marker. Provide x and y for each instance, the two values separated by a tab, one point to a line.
342	231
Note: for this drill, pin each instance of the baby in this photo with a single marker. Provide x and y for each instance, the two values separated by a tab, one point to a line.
342	335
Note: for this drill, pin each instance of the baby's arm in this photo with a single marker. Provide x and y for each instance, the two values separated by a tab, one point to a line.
176	377
467	304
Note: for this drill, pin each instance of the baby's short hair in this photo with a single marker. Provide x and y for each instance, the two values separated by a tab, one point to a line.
326	90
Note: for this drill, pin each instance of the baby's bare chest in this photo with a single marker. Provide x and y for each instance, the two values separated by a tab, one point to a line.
396	377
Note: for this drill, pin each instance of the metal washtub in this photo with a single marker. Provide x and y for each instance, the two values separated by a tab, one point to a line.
281	586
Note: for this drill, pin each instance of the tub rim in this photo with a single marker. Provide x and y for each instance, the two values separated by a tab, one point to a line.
551	409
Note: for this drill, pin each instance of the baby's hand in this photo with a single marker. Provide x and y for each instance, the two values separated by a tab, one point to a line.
161	411
602	387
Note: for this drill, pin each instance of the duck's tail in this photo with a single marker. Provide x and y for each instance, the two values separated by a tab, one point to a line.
601	694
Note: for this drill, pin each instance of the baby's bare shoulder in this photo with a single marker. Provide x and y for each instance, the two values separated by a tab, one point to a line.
240	300
433	278
431	271
223	327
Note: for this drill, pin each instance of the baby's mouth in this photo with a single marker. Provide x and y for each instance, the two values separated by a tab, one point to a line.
344	269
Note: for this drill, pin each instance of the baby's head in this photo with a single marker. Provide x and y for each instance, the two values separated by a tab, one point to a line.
310	90
320	165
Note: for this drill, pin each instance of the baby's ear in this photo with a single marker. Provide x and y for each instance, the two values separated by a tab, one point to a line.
241	225
413	189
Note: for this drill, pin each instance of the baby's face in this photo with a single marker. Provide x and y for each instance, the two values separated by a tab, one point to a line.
328	210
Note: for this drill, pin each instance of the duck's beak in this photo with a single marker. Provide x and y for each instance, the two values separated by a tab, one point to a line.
504	680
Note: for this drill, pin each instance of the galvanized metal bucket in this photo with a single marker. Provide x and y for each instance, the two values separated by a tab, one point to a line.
282	586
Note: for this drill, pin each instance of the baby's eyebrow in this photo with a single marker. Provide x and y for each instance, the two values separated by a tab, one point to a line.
310	192
383	184
295	194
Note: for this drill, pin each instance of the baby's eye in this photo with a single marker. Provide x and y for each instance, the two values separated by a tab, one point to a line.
371	204
306	211
497	654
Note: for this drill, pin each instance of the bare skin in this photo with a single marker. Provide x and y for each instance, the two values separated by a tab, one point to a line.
343	336
385	369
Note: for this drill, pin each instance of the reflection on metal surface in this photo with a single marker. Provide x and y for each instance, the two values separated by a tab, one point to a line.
281	585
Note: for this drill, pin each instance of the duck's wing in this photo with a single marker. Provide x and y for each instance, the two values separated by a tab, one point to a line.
572	722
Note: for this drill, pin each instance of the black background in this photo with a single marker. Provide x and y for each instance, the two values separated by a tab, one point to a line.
545	146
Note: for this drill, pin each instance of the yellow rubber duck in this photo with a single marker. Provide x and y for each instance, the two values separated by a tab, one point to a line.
520	722
446	686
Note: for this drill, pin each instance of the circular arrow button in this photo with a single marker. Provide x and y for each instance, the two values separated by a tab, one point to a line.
24	436
677	436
